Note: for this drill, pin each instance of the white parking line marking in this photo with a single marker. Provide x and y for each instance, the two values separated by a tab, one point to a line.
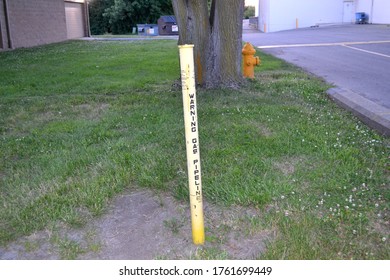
321	44
370	52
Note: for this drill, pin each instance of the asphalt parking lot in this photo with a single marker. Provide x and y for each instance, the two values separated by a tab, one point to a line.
354	58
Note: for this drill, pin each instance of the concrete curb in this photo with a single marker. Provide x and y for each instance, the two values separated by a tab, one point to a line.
372	114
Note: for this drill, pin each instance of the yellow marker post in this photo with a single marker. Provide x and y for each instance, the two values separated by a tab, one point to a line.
192	141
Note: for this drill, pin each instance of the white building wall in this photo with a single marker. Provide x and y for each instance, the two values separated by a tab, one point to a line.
290	14
364	6
377	10
276	15
381	11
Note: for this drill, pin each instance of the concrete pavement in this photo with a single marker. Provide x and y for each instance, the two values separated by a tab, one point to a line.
354	58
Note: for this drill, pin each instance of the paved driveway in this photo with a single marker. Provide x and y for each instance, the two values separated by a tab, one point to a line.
355	58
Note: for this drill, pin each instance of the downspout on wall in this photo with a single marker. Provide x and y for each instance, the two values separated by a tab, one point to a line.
7	25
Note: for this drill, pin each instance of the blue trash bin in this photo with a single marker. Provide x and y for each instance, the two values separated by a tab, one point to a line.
361	18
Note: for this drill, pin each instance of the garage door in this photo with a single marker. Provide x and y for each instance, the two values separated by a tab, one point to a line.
75	24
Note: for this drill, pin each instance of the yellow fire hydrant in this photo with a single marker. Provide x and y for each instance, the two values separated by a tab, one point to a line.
250	61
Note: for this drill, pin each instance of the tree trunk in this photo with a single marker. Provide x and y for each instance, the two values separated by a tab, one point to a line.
217	36
226	44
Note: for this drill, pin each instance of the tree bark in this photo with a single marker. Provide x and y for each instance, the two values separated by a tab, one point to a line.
226	43
217	36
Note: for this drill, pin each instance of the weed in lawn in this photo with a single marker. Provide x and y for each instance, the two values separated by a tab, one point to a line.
210	254
69	249
174	225
31	246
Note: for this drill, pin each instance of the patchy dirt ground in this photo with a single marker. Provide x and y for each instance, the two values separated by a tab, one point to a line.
142	225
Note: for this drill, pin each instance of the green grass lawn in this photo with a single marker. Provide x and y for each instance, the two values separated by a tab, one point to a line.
82	121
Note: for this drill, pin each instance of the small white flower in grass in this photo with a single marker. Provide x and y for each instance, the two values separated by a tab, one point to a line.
282	197
383	239
286	213
376	205
354	231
